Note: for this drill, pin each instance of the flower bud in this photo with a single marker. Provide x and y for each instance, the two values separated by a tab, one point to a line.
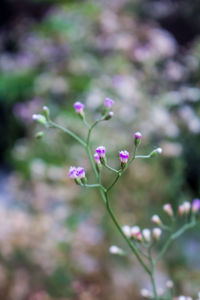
40	119
97	159
145	293
72	172
108	115
123	155
108	103
101	151
168	209
126	230
39	135
156	152
181	210
116	250
196	205
156	220
136	233
146	234
169	284
79	106
80	172
187	207
156	233
46	112
138	137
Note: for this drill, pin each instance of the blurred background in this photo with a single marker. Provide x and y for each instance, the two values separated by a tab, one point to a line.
54	237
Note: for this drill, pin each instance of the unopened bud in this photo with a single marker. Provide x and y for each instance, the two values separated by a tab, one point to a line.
136	233
145	293
169	284
181	210
39	135
156	152
138	137
187	207
156	220
46	112
168	209
127	230
116	250
146	234
196	205
108	115
156	233
40	119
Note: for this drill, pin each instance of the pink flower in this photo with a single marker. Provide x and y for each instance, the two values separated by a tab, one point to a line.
124	155
108	102
79	106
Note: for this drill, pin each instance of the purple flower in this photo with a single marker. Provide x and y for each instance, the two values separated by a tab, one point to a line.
101	151
72	172
138	135
97	158
124	155
79	106
109	102
80	172
196	205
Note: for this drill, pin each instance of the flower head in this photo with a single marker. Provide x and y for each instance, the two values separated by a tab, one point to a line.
196	205
97	158
116	250
124	155
127	230
79	106
72	172
101	151
136	233
108	102
80	172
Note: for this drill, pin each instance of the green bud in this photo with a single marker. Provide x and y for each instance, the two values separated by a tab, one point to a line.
78	181
39	135
156	152
109	115
40	119
84	180
46	112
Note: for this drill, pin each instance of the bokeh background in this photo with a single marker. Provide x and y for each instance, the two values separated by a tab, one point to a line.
145	54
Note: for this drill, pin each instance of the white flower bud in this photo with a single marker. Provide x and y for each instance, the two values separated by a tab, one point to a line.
181	210
155	152
136	233
156	220
146	234
126	230
168	209
116	250
187	207
169	284
156	233
145	293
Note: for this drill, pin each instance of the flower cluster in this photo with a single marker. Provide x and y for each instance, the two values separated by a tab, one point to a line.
146	235
77	173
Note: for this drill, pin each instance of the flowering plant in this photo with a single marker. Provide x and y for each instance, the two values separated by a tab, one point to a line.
140	241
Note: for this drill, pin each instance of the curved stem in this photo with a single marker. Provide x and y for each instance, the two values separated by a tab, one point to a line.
132	247
68	131
110	168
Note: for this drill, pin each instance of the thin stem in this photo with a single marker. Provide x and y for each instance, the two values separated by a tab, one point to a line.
97	185
68	131
143	156
152	274
86	123
110	168
120	172
133	248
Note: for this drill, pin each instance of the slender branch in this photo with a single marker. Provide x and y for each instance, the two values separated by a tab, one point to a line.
131	245
152	274
97	185
110	168
68	131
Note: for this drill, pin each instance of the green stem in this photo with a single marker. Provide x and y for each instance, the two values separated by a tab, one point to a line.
110	168
152	274
132	247
77	138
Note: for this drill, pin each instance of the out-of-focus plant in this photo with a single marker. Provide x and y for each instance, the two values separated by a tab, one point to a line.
140	242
